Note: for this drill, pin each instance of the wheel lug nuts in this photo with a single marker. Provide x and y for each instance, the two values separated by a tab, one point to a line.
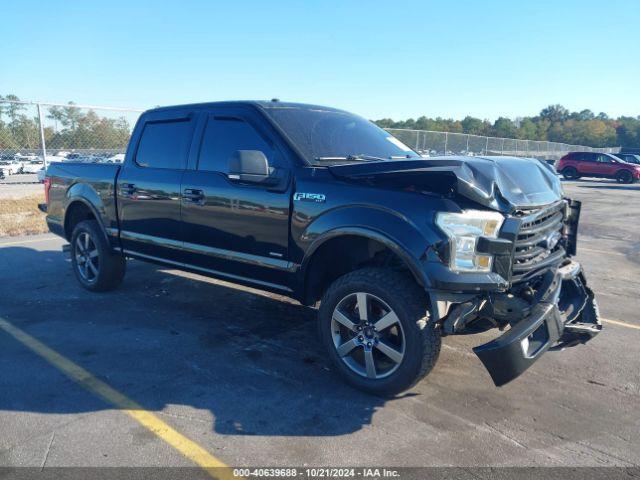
360	337
368	344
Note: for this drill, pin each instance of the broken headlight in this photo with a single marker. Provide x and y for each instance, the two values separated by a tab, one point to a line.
464	229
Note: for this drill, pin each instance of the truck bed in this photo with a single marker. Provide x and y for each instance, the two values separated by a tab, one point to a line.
89	181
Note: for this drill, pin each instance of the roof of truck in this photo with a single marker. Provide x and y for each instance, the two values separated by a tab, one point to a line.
251	103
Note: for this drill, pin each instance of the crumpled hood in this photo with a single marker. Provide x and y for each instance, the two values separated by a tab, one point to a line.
500	183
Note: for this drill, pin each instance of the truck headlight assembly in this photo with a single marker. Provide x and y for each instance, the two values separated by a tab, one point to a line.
464	229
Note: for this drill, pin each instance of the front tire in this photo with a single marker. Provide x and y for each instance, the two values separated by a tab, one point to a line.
376	328
95	265
624	176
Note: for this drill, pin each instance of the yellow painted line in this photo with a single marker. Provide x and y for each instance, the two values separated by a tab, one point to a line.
622	324
194	452
33	240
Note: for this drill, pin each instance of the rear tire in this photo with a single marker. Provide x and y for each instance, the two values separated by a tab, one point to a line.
95	265
395	334
624	176
570	173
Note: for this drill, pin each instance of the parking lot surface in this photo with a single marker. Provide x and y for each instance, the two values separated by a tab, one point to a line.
241	374
18	186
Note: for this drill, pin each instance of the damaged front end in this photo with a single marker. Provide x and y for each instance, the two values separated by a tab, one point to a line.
548	305
534	292
561	313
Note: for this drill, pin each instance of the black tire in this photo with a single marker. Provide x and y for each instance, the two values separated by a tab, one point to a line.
107	268
570	173
421	338
624	176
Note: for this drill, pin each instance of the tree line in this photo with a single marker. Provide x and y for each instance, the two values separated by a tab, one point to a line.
67	127
70	127
555	123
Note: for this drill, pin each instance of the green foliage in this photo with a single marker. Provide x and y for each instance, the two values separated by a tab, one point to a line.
74	128
554	123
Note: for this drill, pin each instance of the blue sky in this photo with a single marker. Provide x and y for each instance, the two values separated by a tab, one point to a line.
393	59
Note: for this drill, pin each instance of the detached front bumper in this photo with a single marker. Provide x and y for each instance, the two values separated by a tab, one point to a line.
565	315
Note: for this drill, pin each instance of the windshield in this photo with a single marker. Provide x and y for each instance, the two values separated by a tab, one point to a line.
332	137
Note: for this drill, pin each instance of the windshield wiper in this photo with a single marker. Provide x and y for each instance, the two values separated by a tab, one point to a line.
328	159
360	158
366	158
373	158
351	158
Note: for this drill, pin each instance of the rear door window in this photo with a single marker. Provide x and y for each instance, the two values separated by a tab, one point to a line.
165	144
578	156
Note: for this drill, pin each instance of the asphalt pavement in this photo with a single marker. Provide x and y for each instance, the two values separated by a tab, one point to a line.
241	375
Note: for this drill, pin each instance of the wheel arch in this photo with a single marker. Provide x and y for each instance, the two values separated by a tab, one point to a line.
319	269
79	209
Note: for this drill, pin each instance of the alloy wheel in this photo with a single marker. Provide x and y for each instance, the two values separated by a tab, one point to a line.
367	335
87	257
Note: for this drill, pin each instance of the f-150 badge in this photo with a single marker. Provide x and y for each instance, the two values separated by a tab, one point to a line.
309	197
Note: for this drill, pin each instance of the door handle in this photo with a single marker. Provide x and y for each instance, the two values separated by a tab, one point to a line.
193	195
127	189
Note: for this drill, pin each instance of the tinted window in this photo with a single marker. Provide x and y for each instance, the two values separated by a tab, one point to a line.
604	159
164	144
224	136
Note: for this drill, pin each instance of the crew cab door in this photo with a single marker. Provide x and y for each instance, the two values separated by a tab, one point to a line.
231	227
148	186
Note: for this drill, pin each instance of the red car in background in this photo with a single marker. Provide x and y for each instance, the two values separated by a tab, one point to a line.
603	165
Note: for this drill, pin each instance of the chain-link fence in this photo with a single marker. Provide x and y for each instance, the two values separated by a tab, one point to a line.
446	143
33	134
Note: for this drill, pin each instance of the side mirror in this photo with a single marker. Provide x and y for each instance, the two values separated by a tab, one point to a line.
249	166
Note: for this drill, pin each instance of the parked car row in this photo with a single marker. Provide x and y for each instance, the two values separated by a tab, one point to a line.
623	167
15	164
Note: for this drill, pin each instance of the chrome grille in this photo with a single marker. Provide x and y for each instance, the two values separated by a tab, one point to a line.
532	250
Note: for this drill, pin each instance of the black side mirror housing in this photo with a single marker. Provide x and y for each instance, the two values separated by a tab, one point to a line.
249	166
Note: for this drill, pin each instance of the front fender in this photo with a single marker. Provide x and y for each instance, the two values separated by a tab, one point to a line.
388	227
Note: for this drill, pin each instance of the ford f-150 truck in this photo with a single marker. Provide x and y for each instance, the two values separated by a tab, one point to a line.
325	207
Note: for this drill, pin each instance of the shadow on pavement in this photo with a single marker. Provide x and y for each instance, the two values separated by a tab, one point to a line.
247	362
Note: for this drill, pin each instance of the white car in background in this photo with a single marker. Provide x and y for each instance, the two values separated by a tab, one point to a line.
33	166
37	166
117	158
11	167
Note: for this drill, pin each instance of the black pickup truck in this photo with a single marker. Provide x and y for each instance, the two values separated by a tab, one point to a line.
323	206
